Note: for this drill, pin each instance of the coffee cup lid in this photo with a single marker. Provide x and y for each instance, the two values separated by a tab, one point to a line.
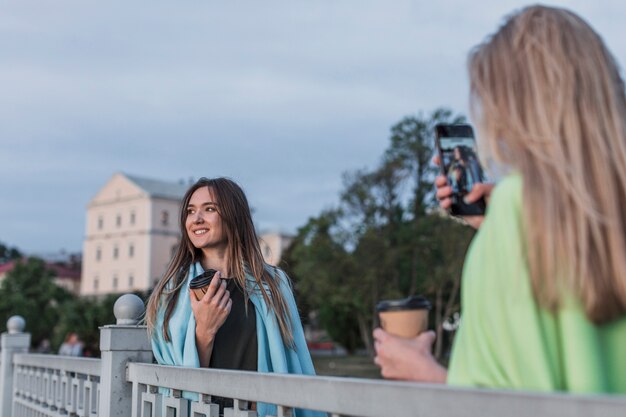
203	279
416	302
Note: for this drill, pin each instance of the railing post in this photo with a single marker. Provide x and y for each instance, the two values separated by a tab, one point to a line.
119	344
12	342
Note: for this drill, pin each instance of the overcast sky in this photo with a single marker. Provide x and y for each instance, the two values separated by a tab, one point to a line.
281	96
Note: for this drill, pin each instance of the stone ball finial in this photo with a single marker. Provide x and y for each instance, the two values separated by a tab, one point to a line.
16	324
128	309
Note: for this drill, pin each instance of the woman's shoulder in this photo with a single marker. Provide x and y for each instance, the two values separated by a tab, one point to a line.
274	273
499	243
281	276
509	188
506	200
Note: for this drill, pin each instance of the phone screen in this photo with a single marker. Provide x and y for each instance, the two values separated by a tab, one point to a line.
459	163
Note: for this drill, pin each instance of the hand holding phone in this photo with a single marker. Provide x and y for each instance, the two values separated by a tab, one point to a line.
462	183
444	194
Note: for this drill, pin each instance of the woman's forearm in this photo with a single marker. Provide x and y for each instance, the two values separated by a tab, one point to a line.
204	345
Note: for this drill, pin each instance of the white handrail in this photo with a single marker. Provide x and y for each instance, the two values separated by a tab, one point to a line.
87	366
372	398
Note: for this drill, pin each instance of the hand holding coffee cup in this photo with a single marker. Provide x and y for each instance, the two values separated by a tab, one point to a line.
403	346
199	285
210	304
406	318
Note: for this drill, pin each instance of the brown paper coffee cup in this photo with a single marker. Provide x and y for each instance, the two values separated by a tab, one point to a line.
200	284
407	317
199	292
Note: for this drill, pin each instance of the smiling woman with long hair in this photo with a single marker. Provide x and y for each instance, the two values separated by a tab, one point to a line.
544	281
247	319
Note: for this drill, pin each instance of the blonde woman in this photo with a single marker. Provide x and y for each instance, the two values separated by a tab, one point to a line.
544	282
247	319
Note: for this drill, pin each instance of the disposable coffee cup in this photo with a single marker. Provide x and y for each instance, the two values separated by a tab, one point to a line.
407	317
200	284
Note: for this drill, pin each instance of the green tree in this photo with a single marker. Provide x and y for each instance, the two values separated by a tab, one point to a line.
317	254
8	253
29	291
382	242
438	246
85	316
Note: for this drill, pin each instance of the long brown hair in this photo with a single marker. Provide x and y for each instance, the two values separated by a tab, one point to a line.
244	257
550	103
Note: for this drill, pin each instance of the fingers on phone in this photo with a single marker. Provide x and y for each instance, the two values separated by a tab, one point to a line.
445	203
478	191
441	181
444	192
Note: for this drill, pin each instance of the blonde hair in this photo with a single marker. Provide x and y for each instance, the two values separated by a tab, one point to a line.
549	102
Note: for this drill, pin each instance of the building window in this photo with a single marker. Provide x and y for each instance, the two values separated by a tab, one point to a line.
116	252
131	251
118	220
132	217
165	218
98	254
95	283
114	282
100	222
131	281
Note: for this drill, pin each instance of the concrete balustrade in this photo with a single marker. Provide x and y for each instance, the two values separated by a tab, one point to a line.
124	382
121	344
12	342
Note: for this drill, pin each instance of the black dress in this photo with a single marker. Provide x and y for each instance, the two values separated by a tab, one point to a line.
235	345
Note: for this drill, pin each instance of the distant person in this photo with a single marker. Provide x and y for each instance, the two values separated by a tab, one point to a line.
72	346
44	347
248	319
544	281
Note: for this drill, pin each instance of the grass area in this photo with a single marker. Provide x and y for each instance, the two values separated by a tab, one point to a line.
347	366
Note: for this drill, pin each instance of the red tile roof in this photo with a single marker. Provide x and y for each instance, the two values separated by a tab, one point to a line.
6	267
61	271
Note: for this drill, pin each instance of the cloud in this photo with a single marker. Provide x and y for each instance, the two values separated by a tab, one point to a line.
282	97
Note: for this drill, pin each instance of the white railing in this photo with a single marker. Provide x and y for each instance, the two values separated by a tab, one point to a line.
344	396
126	383
63	386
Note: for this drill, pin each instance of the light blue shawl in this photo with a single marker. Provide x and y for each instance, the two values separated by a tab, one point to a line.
273	355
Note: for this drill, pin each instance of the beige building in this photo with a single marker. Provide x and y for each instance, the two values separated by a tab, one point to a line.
273	245
131	231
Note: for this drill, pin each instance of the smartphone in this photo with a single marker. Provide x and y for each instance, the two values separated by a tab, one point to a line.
459	163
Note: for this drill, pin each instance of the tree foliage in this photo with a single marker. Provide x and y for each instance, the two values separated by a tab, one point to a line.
8	253
384	240
28	290
50	311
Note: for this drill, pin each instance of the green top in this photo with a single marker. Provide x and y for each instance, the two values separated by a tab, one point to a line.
505	339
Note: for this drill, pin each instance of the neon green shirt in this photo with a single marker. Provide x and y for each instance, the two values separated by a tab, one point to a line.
505	339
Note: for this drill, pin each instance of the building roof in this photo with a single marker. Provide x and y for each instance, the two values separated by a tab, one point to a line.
61	271
6	267
158	188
